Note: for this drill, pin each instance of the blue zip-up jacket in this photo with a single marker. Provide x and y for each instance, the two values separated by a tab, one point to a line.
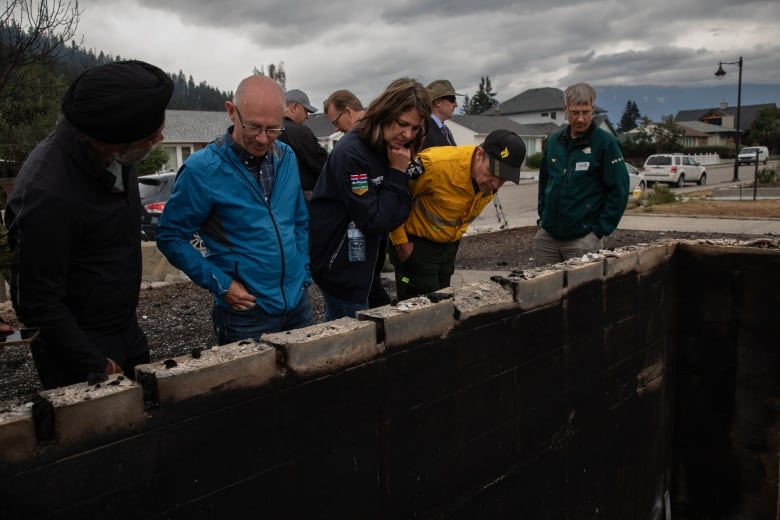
262	244
583	184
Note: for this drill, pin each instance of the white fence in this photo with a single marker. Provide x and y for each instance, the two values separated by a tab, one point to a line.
706	158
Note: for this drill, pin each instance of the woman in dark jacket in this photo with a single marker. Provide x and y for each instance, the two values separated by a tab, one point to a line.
364	184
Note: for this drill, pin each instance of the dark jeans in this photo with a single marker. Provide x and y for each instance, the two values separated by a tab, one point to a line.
378	297
128	347
231	325
336	308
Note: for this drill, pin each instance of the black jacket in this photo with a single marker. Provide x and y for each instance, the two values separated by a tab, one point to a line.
76	248
311	156
357	184
434	137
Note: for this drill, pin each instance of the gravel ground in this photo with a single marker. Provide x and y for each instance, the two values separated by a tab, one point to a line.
177	318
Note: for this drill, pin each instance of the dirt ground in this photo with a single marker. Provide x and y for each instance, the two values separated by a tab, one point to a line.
177	318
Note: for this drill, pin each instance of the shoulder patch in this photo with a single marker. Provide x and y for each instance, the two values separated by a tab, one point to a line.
415	168
359	182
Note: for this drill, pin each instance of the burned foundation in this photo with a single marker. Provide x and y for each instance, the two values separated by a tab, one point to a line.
631	385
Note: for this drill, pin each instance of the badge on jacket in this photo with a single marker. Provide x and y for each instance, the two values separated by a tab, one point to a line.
359	183
415	169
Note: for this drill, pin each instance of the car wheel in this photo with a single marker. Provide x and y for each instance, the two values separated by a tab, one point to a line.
681	181
702	180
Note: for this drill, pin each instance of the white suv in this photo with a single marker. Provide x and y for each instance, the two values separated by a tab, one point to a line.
674	168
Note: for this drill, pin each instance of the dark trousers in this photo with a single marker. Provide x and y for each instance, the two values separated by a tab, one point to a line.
378	297
128	347
428	269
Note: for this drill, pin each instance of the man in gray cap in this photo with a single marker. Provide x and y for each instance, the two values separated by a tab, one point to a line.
311	156
73	221
443	105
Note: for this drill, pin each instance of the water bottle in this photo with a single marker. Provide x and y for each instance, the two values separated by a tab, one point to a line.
356	243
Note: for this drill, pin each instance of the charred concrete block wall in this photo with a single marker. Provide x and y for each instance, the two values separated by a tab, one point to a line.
727	434
547	394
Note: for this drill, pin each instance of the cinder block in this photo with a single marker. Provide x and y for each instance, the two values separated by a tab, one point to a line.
326	347
538	286
580	273
482	298
83	412
244	364
17	433
411	320
621	262
652	256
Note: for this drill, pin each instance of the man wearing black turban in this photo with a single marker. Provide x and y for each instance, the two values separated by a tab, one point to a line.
73	221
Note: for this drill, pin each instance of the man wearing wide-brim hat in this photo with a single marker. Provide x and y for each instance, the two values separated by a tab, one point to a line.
450	186
73	221
443	105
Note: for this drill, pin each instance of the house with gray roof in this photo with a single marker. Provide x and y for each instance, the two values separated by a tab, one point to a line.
543	106
187	131
724	115
467	129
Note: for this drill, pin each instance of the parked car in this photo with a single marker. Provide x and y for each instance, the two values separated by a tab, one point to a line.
155	189
674	169
748	154
636	178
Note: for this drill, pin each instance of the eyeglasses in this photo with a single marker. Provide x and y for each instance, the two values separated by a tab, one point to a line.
335	122
573	114
254	131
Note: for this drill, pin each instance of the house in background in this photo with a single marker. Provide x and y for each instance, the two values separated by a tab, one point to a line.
187	131
723	117
704	134
542	108
468	129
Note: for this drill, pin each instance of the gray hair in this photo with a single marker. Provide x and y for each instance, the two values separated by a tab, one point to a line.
580	94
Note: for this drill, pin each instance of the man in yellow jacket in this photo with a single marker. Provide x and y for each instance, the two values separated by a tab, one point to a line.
450	185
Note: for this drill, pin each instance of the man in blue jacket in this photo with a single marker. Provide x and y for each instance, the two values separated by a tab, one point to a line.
242	195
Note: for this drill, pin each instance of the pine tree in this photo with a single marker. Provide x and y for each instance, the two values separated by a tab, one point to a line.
628	120
483	100
274	72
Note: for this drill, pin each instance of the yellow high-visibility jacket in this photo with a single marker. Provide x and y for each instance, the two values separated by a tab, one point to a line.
445	200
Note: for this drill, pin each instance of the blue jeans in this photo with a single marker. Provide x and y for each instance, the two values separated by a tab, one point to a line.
231	325
335	308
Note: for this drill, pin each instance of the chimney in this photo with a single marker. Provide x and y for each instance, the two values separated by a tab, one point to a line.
724	105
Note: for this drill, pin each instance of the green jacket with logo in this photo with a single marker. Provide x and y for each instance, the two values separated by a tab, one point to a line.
583	184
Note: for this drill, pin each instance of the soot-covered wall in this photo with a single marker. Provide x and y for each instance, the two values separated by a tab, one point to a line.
550	394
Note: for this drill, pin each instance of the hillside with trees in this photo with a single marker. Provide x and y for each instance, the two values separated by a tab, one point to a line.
39	59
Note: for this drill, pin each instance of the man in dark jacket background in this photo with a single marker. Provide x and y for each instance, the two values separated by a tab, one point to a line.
73	221
311	156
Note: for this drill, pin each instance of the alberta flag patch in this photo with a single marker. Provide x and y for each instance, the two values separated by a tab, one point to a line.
359	183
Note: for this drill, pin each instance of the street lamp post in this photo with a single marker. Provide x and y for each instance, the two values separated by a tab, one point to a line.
719	74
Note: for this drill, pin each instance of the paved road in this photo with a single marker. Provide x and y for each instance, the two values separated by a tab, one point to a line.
517	203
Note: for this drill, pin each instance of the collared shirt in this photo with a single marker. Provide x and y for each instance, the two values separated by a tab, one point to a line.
438	121
261	168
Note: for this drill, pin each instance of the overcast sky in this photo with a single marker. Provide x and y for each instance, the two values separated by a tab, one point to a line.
362	45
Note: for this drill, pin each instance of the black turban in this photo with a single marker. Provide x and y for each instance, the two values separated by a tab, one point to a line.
119	102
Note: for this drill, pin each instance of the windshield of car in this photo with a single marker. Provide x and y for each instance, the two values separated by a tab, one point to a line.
659	160
749	150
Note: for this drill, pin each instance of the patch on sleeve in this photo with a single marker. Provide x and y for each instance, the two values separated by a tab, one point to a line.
359	183
415	168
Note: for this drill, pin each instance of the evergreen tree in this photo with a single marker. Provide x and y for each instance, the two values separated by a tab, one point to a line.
274	72
631	114
483	100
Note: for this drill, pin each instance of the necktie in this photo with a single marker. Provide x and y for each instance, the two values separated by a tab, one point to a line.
447	134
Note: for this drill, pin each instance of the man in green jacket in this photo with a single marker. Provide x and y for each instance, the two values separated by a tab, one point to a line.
583	184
